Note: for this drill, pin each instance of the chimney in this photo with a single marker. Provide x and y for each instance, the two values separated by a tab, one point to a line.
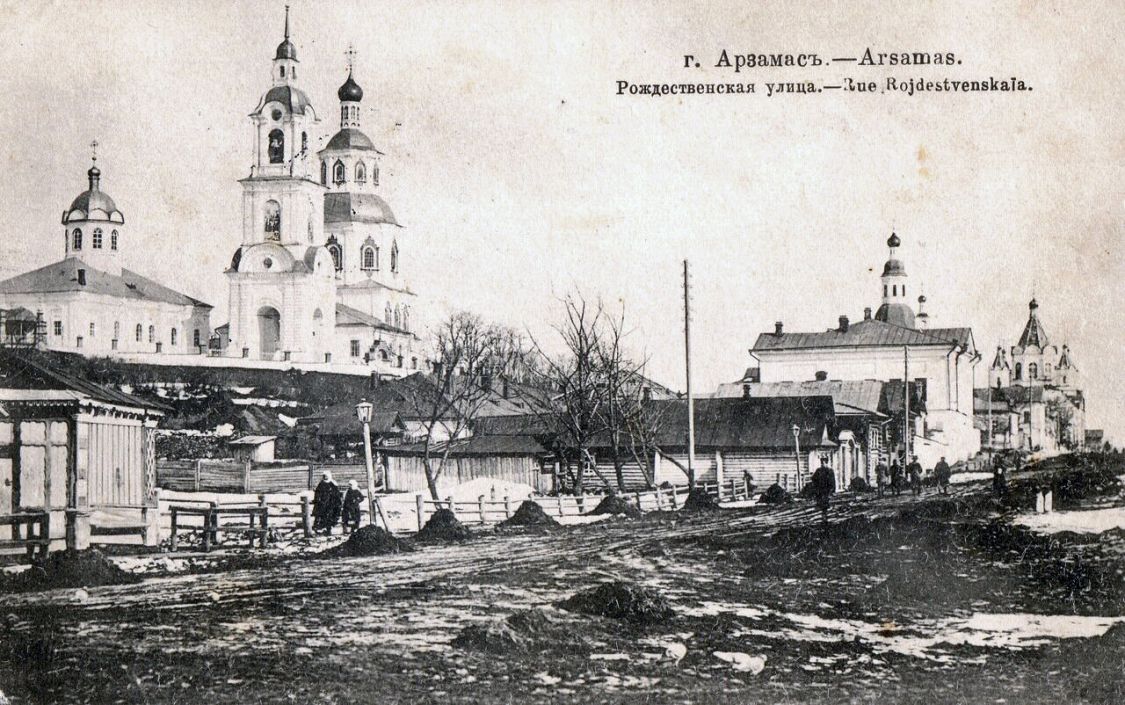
821	375
867	313
82	277
646	393
777	328
746	391
843	324
505	390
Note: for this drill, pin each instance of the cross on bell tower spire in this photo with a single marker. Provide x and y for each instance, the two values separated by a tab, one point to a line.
350	54
286	21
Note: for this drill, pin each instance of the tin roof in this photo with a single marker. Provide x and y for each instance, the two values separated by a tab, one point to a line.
63	277
868	333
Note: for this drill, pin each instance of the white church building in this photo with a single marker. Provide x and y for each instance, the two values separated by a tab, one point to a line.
896	343
318	277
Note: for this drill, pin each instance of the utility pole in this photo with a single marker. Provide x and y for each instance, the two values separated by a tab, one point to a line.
687	377
905	404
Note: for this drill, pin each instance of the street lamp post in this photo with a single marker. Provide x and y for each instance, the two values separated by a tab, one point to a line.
363	413
797	452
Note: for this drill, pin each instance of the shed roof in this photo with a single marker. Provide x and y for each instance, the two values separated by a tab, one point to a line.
252	440
19	371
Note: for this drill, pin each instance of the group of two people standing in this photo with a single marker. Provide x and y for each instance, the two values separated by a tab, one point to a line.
330	505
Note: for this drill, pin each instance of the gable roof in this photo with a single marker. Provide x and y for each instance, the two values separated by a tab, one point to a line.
348	316
848	396
518	445
867	333
20	370
63	277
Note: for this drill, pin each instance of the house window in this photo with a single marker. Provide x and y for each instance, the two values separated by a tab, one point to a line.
273	220
152	334
413	363
140	332
1033	371
337	260
91	329
78	343
360	173
338	172
324	173
77	239
277	147
116	330
370	260
58	327
97	240
355	348
195	337
113	240
173	337
1019	370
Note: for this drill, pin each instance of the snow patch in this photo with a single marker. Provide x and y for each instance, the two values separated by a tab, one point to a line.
1091	521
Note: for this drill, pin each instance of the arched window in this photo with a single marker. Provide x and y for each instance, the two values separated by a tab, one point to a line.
339	173
394	257
369	261
97	239
152	334
894	290
283	70
398	317
113	240
173	337
360	173
337	260
375	175
273	220
388	314
77	239
406	318
324	173
116	330
277	147
884	291
140	332
304	142
1033	371
1019	370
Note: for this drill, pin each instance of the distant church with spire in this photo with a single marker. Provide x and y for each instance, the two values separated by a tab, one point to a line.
319	277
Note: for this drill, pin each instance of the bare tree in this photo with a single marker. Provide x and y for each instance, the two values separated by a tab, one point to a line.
468	356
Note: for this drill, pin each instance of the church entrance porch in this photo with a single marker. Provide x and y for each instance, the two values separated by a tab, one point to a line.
269	332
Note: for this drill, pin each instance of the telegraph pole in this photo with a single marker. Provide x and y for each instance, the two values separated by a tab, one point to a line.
906	404
687	377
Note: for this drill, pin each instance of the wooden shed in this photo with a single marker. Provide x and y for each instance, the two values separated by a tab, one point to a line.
77	460
516	459
257	449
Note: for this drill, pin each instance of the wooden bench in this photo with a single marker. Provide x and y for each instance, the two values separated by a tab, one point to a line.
38	535
125	528
257	526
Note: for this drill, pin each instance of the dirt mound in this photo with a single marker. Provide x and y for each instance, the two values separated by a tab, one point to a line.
775	494
528	514
621	600
368	541
699	502
859	484
443	526
521	632
614	504
70	569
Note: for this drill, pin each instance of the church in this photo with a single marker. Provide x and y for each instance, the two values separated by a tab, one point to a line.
319	276
896	343
317	281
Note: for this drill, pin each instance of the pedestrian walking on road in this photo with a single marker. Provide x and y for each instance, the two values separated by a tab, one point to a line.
326	504
882	476
914	470
942	473
999	479
353	500
896	477
823	485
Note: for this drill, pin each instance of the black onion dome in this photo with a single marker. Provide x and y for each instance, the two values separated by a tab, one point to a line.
286	50
893	241
350	91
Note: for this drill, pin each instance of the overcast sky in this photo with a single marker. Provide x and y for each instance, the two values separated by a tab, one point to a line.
520	175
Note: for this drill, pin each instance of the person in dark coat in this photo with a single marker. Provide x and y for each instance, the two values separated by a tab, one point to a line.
882	476
326	504
942	472
896	477
999	479
914	472
353	500
824	484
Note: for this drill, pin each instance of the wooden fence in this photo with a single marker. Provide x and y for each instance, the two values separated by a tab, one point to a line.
253	477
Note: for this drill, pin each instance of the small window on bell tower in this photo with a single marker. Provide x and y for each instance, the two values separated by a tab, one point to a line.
277	147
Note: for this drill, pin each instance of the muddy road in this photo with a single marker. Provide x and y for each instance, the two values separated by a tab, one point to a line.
899	599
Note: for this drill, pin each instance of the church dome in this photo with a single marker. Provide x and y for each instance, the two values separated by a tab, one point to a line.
93	203
286	50
350	91
894	267
893	240
896	314
350	138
